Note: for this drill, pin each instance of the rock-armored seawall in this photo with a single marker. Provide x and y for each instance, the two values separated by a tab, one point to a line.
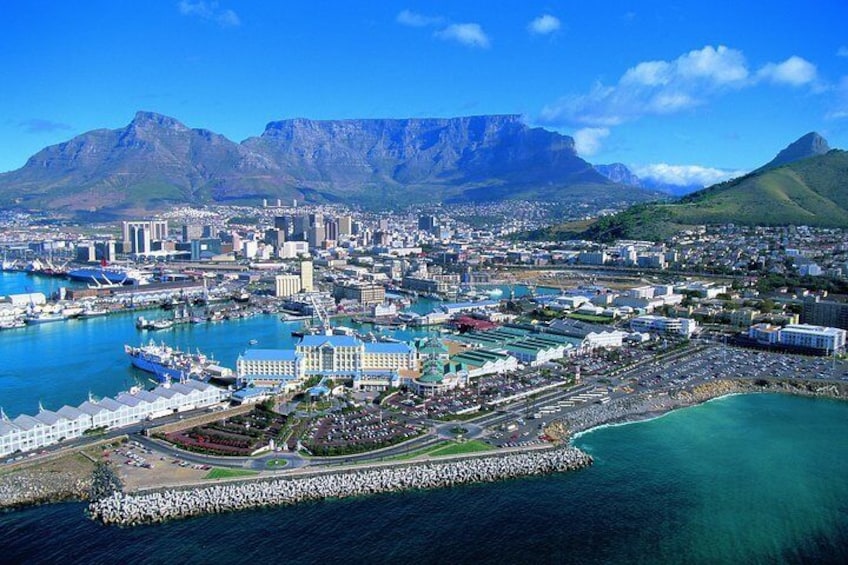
130	510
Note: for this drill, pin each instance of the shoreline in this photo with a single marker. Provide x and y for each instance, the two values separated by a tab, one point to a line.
622	411
639	417
646	407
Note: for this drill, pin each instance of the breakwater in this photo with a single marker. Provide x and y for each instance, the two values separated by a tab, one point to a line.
130	510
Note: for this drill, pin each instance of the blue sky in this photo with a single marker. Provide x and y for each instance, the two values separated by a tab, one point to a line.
689	91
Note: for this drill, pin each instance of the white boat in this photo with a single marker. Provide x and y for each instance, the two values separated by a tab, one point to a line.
44	317
143	323
92	312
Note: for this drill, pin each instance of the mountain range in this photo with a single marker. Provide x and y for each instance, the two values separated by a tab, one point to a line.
156	161
800	186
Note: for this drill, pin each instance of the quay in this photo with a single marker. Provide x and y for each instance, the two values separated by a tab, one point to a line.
155	507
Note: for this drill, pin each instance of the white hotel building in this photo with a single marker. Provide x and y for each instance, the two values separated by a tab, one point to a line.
326	356
26	433
663	325
800	335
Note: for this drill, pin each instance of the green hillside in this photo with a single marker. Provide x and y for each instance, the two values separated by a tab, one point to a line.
810	192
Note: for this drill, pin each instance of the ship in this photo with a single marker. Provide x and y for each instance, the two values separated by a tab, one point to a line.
165	362
109	275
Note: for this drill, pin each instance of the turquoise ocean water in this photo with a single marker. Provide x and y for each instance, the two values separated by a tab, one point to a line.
744	479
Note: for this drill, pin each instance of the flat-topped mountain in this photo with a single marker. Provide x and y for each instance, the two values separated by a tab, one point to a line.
156	161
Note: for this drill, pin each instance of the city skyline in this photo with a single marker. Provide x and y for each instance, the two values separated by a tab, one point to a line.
691	93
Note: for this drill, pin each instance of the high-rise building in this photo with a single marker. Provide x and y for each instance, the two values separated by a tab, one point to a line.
236	240
315	219
105	251
139	234
140	239
249	248
316	235
192	231
275	237
86	252
331	229
827	313
427	222
382	238
345	226
301	228
283	223
306	270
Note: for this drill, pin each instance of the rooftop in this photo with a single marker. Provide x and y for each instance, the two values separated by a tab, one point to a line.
332	340
268	355
388	347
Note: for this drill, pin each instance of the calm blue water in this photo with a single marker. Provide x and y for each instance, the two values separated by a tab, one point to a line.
20	283
746	479
62	363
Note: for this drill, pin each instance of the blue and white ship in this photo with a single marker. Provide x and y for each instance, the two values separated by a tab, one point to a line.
109	275
165	362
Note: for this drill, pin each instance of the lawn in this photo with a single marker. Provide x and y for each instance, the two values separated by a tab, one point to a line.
218	473
472	446
276	463
443	449
591	318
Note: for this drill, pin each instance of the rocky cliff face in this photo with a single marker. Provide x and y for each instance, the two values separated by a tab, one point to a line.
808	145
619	173
156	160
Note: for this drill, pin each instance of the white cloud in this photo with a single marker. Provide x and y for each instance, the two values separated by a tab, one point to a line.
794	71
470	34
209	11
587	141
649	73
842	51
659	88
685	175
715	65
654	88
544	25
414	19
